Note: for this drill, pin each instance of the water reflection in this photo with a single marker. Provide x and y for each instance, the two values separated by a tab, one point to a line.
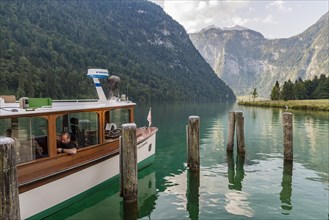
192	194
235	176
235	188
254	113
237	201
310	133
276	113
106	203
130	210
147	194
285	194
230	188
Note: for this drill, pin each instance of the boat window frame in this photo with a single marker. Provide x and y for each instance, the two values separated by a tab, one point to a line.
32	142
107	120
98	116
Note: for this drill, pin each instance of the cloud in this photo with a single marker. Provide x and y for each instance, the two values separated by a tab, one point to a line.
280	18
240	21
251	9
280	5
269	19
195	15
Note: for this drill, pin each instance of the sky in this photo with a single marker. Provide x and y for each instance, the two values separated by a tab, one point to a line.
273	19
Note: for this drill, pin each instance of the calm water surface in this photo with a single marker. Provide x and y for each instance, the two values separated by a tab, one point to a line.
259	186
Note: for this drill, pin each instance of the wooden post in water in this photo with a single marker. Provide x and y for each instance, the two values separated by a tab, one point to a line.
192	194
8	180
121	165
240	132
230	169
287	136
130	210
129	163
193	143
231	128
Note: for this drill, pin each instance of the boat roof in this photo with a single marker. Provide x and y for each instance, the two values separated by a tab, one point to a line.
14	109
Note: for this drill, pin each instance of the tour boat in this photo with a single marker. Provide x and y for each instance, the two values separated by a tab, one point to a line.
48	180
107	201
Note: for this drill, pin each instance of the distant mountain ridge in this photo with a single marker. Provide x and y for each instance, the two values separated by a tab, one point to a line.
235	28
47	47
244	59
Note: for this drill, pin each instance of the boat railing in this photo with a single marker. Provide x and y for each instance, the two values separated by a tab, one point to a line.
76	100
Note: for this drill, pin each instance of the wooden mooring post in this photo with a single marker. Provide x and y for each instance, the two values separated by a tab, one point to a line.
130	210
128	163
8	180
287	135
230	169
193	143
231	128
240	132
192	194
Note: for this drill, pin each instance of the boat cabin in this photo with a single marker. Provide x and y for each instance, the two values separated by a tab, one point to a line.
94	127
36	126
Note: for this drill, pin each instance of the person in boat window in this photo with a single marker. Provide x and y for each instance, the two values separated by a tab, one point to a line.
67	146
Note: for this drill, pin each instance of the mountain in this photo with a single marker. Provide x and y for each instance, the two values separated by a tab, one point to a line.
245	60
47	47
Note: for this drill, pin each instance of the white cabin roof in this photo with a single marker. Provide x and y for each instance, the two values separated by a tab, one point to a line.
13	109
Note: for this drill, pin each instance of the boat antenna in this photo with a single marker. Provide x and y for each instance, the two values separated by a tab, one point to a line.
97	74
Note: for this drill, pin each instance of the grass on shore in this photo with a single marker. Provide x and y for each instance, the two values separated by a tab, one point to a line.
316	104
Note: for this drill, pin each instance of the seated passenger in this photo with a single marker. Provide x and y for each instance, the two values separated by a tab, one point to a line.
77	135
67	146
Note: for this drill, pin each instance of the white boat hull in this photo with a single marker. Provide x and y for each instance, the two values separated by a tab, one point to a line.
51	194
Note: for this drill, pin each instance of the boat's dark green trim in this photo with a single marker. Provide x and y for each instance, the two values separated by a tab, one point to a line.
87	193
146	162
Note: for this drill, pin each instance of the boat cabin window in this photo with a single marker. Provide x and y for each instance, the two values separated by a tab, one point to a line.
114	120
30	135
82	126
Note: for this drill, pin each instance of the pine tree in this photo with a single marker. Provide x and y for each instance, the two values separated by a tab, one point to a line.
288	91
322	90
275	94
299	89
254	94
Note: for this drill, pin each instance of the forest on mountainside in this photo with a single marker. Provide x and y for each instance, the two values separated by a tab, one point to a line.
47	46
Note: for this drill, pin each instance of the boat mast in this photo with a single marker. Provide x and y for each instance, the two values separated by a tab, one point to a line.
97	74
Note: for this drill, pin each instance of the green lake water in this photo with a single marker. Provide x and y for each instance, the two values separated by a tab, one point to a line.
259	186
